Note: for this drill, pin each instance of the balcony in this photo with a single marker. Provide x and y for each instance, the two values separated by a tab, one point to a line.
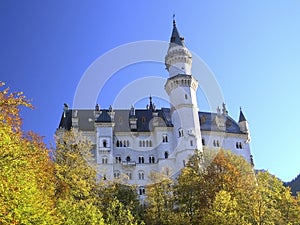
128	163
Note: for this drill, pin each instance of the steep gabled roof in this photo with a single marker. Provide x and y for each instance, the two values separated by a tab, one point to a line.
175	37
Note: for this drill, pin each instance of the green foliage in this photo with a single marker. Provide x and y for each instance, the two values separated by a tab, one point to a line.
118	214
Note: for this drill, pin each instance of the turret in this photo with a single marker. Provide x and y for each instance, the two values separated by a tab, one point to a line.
243	124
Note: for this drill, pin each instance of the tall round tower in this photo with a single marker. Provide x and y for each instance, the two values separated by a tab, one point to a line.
181	87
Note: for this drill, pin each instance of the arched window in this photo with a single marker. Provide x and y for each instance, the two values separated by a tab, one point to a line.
186	96
129	175
191	142
104	144
203	141
141	159
118	159
116	174
127	143
151	159
141	144
183	161
147	143
128	158
237	145
240	145
104	160
214	143
124	143
166	155
150	143
141	175
118	143
165	138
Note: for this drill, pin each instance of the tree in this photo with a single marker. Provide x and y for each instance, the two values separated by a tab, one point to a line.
26	178
224	210
76	180
160	201
118	214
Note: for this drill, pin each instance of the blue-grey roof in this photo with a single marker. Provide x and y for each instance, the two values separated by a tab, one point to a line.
242	117
104	117
144	117
175	37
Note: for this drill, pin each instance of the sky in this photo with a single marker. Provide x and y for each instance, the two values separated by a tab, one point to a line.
251	47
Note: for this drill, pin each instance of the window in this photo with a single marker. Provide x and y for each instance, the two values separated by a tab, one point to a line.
191	142
141	191
104	160
117	143
118	159
183	161
180	133
104	144
166	155
128	159
239	145
129	175
143	119
203	141
165	138
186	96
116	174
151	159
141	175
141	159
216	143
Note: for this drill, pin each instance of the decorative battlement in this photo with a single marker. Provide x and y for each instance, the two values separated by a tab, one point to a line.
181	80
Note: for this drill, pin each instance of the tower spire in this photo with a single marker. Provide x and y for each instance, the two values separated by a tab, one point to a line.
175	37
242	117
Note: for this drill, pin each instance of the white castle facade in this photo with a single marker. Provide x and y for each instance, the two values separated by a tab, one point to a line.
133	142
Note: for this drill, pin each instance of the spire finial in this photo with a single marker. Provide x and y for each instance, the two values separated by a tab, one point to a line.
174	22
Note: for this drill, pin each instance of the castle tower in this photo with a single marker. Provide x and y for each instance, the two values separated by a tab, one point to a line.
181	87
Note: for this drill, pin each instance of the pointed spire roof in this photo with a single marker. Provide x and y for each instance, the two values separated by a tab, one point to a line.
175	37
242	117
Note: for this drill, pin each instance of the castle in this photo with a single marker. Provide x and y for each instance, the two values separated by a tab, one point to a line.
133	142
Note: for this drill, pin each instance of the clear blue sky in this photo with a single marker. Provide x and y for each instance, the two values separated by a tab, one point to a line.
252	47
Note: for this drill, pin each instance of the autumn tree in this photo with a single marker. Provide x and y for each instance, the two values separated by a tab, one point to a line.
26	172
160	200
76	180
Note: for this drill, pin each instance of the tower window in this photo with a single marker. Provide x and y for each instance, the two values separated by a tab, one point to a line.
180	132
203	141
186	96
191	142
166	155
165	138
104	143
128	159
104	160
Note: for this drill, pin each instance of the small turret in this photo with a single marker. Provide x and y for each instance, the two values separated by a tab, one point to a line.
243	124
